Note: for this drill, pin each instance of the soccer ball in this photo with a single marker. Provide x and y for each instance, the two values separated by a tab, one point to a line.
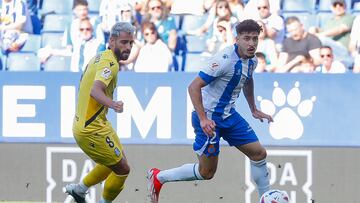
274	196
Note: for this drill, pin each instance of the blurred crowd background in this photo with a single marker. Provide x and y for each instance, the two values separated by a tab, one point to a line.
307	36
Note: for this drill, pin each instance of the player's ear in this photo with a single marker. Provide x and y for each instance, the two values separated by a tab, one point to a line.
112	41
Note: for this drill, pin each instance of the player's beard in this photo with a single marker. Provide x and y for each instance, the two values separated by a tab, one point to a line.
121	55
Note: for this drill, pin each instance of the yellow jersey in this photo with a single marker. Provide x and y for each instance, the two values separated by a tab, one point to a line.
91	115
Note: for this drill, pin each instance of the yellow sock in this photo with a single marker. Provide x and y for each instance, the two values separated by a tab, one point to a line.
98	174
113	186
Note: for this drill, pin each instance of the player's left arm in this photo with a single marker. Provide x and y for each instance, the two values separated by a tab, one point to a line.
249	95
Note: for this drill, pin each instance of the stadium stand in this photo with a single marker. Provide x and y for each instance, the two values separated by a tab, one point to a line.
56	22
58	63
54	6
190	47
52	39
28	62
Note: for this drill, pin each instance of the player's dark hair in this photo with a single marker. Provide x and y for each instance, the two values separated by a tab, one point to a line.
248	26
80	2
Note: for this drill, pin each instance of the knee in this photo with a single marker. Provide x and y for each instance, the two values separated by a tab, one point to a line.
122	169
259	155
207	174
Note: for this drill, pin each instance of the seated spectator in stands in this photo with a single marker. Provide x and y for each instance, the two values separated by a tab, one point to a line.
354	45
15	25
336	31
82	50
306	65
222	37
328	64
251	9
165	24
33	7
267	47
154	56
222	10
86	48
109	14
297	46
261	65
72	32
274	24
237	8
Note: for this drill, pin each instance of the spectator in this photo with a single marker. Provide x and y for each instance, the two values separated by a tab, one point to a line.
250	10
261	65
165	24
354	45
15	25
237	8
222	37
336	31
72	32
306	65
86	48
267	47
222	10
328	65
154	56
274	24
82	50
297	46
109	14
33	7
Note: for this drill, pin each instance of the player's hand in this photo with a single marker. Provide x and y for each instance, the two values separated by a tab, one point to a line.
118	106
261	116
208	126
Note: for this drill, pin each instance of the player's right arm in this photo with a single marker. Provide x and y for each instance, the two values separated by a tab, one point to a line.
98	93
194	89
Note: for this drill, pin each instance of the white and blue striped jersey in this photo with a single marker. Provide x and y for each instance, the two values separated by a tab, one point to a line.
225	74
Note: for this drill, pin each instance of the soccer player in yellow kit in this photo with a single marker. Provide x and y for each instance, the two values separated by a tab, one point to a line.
92	131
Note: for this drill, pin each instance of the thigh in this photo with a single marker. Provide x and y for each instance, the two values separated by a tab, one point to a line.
103	147
239	132
203	144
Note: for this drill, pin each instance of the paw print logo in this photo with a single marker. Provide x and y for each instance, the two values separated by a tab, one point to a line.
287	122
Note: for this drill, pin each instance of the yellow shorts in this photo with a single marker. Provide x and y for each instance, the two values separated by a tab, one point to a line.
103	147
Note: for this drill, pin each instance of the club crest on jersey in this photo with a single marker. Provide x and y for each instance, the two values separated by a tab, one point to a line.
106	73
214	66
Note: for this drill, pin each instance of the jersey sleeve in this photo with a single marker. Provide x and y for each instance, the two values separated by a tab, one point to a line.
106	70
213	69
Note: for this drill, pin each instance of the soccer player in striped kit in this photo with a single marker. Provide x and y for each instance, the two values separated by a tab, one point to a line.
213	93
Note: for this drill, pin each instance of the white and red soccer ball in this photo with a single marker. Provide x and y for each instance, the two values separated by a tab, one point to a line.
274	196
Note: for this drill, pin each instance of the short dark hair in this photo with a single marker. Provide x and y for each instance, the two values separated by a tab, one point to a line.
80	2
260	55
248	25
292	19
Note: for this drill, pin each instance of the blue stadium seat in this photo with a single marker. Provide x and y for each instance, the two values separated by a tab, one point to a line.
52	39
94	6
58	63
298	5
32	44
194	62
18	61
307	19
55	6
192	22
195	43
56	22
